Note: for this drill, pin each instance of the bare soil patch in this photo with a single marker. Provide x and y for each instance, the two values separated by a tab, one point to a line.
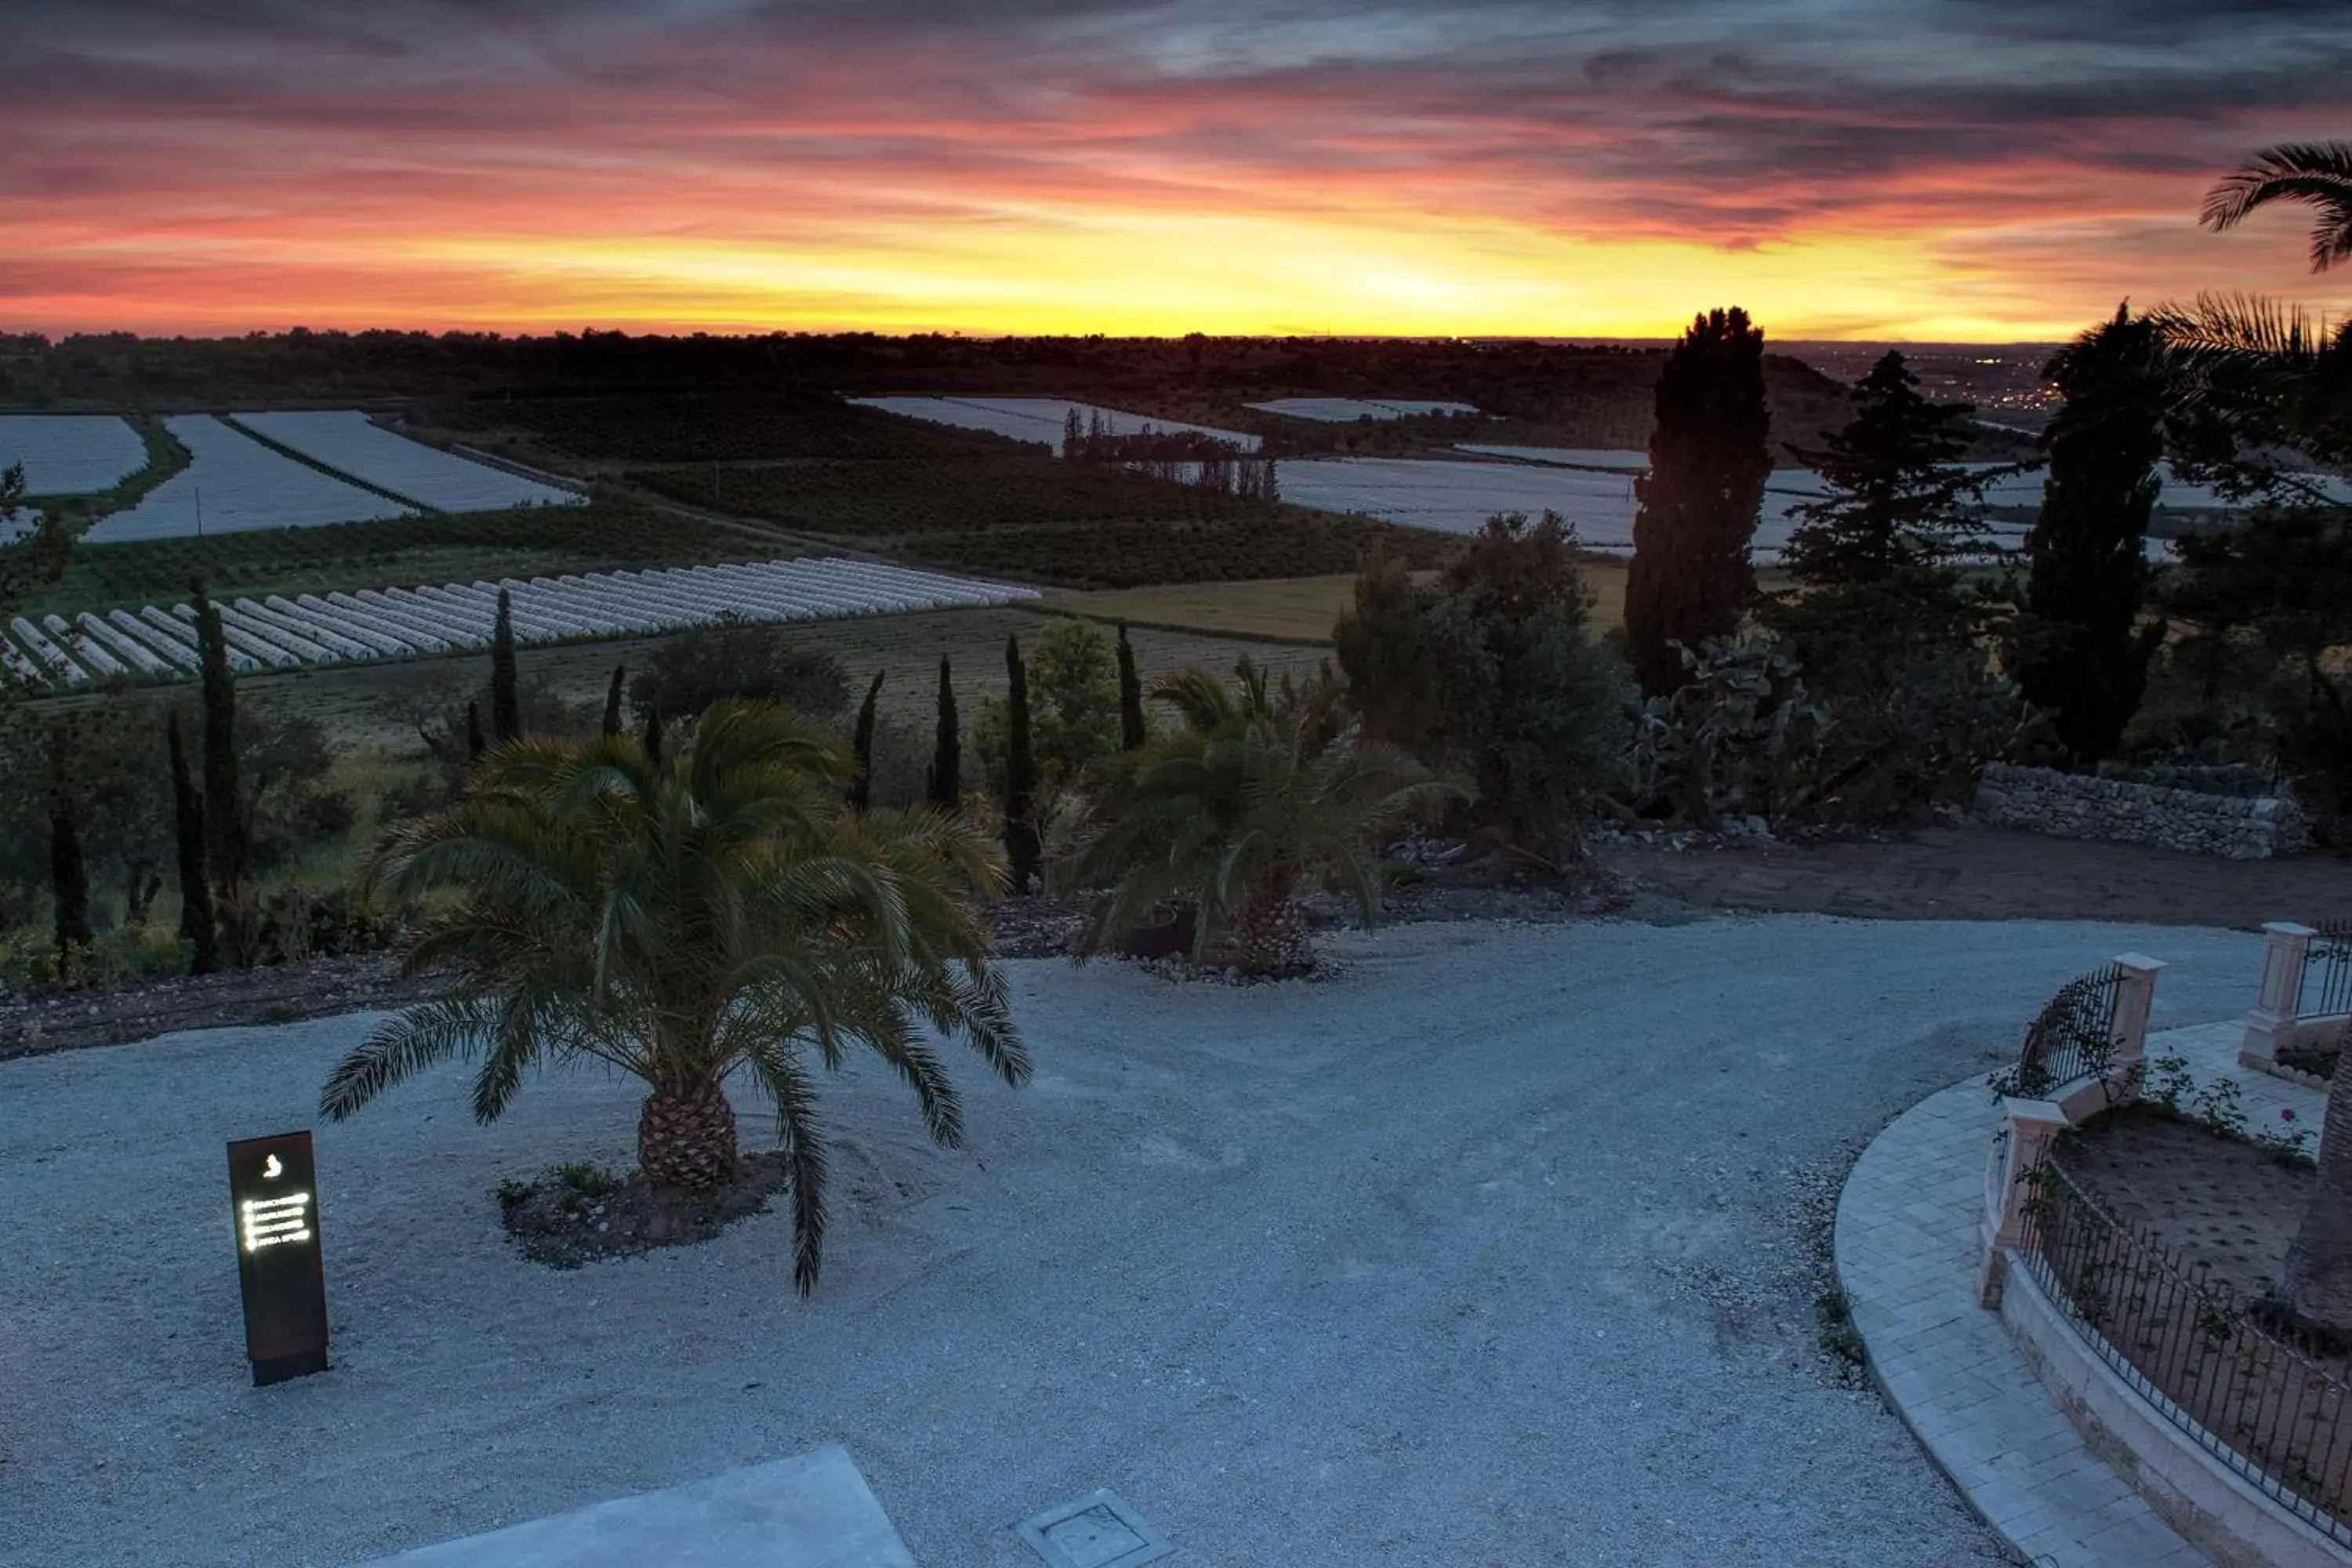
280	994
576	1214
1975	873
2218	1202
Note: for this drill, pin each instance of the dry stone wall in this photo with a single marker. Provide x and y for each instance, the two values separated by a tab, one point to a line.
2075	805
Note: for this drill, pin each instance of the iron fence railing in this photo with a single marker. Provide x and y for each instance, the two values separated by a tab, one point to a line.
2183	1339
2074	1037
2328	962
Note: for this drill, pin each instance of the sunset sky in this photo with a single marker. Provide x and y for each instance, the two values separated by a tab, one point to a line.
1923	169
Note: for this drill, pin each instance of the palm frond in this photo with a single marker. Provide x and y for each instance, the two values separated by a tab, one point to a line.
2318	173
403	1045
787	1088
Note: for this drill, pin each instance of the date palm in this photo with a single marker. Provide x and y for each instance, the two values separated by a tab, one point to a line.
1260	790
2270	371
682	918
2319	173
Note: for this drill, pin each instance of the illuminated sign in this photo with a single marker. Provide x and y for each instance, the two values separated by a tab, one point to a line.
280	1270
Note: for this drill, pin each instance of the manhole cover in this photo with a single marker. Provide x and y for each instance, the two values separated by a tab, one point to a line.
1097	1530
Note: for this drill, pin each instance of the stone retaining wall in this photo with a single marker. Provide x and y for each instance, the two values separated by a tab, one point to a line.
2075	805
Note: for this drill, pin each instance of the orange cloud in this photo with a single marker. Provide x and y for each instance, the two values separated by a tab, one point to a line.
1055	168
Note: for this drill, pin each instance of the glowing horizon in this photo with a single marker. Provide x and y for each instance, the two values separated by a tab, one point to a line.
1842	168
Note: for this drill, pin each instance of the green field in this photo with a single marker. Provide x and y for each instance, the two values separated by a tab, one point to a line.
1291	609
734	426
402	551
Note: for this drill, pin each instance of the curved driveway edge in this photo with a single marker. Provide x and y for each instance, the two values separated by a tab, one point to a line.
1906	1244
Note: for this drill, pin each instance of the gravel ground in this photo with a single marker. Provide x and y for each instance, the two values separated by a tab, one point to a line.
1496	1246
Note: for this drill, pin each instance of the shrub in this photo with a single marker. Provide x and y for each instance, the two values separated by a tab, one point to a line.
736	658
1494	669
1073	708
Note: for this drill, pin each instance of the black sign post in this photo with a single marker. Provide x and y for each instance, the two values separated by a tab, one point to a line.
273	1190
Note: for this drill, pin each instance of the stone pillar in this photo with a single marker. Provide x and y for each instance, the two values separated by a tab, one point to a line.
2285	946
2134	997
2031	1124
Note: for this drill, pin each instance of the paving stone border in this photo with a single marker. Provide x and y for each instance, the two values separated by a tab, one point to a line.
1909	1247
2077	806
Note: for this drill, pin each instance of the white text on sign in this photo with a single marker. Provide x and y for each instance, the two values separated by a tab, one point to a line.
272	1221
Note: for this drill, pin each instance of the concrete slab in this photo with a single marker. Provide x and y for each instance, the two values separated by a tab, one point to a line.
812	1512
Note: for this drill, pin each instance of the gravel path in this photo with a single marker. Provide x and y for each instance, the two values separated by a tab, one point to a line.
1488	1249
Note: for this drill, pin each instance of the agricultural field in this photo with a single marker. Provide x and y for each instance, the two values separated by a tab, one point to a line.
1037	519
727	428
377	706
887	499
1347	410
1041	418
234	484
1291	609
1124	554
281	633
346	441
455	548
70	454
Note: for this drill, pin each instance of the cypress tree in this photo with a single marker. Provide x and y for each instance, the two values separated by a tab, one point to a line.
69	869
947	753
861	789
1021	846
612	701
188	829
1898	499
2081	651
224	841
1131	730
1690	580
506	696
651	740
476	743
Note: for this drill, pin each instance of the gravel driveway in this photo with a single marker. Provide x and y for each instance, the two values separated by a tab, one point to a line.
1488	1249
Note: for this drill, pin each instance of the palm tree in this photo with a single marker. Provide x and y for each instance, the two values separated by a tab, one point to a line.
2258	366
683	917
1260	790
2318	1284
2319	173
2268	369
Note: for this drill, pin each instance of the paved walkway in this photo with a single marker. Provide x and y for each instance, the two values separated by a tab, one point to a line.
1907	1228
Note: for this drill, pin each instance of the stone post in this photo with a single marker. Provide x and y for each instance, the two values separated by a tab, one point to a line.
2285	946
2031	1126
2134	997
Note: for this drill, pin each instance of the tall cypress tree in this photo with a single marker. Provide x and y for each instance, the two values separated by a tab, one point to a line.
1690	579
861	788
1020	846
68	868
1898	498
506	694
2081	651
612	701
1131	729
188	832
224	835
651	738
947	750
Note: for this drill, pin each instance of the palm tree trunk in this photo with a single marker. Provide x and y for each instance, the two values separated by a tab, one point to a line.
2319	1260
1270	938
685	1135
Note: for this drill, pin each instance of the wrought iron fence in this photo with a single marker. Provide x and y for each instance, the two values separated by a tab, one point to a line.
2075	1035
2183	1339
2328	960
